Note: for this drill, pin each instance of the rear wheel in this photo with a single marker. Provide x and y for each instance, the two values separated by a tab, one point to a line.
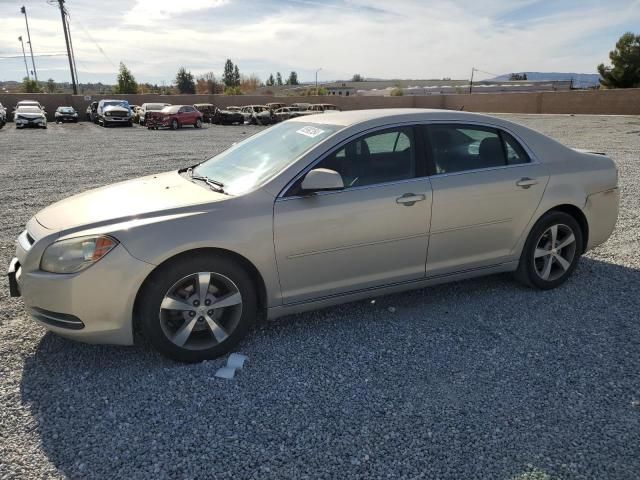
174	124
198	123
551	252
198	307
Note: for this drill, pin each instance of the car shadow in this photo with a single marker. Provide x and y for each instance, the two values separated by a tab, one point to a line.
542	378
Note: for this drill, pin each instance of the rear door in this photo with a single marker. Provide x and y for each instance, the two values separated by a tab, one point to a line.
486	187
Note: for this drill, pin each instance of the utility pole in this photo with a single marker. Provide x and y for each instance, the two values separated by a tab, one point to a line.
67	39
35	73
473	70
317	79
24	55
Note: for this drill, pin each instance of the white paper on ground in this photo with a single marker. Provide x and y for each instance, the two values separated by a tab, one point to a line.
226	372
236	360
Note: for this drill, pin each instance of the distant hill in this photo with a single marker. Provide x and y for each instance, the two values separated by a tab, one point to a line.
580	80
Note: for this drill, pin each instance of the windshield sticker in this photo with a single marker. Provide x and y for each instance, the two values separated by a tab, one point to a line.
310	131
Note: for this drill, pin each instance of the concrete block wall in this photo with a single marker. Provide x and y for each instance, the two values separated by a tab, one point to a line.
597	102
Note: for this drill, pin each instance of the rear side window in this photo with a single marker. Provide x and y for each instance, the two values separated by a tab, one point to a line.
514	151
460	148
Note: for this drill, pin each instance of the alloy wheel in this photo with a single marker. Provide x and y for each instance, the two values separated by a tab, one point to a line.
555	252
200	310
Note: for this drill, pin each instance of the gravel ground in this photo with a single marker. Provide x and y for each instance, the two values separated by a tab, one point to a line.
476	379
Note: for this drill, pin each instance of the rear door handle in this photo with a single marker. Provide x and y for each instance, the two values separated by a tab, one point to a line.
526	182
409	199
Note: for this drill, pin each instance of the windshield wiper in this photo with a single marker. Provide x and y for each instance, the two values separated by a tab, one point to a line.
213	184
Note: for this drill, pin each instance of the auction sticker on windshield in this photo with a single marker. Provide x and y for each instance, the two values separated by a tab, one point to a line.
310	131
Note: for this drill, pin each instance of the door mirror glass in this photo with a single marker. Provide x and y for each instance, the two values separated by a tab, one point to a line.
321	179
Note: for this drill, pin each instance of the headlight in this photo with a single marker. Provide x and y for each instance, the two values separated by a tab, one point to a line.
75	254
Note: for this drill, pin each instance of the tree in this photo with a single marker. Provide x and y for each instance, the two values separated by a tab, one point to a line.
236	76
51	86
517	76
271	81
625	72
208	84
250	83
232	91
278	79
293	79
30	86
227	76
126	82
184	81
357	78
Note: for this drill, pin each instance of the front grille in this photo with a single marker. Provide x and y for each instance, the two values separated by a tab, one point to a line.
60	320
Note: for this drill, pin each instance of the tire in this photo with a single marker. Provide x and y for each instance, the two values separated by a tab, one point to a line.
167	328
198	123
550	270
174	124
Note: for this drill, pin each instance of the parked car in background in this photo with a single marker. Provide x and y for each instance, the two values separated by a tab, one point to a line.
92	112
174	117
28	103
313	212
323	107
66	114
283	113
208	110
3	116
275	106
149	107
114	112
257	115
30	116
225	116
135	113
300	107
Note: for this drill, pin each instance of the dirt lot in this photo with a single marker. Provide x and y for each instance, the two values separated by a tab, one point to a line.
477	379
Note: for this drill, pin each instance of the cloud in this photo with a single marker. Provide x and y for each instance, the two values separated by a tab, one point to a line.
146	11
377	38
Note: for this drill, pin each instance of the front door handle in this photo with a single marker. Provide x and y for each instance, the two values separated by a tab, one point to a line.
409	199
526	182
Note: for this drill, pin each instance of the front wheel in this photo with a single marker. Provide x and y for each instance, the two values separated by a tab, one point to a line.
551	252
197	307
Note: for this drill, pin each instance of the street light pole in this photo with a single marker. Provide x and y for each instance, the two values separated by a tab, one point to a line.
35	73
24	55
473	70
317	80
67	39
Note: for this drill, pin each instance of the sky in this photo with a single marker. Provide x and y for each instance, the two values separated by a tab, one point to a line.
412	39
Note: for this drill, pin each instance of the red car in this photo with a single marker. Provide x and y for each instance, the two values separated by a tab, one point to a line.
174	117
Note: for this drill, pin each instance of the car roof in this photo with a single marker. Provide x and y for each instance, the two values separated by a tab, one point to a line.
353	117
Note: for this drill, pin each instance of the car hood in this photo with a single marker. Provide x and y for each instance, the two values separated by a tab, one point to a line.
134	199
114	108
30	115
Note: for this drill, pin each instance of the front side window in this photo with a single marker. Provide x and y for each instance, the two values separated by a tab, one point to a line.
379	157
460	148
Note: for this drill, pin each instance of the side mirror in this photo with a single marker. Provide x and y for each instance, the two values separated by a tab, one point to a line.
322	179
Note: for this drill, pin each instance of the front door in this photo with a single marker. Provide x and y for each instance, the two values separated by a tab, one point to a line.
373	232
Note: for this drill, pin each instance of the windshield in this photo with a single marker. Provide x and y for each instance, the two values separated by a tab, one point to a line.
29	110
249	163
122	103
171	109
66	110
154	106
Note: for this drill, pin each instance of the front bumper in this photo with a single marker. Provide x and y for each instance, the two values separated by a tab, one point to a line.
93	306
30	122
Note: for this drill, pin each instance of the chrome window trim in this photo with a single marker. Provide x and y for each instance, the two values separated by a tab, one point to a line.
412	123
